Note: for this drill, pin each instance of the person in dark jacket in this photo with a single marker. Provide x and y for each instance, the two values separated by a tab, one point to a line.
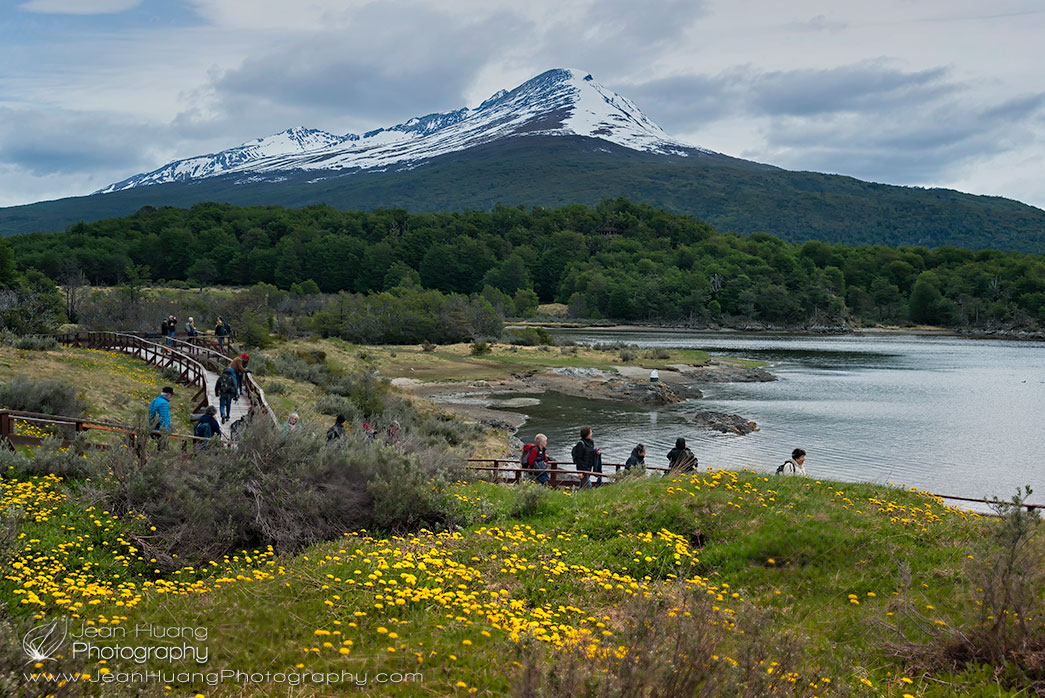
586	456
337	431
206	426
225	389
680	458
164	328
239	369
637	457
221	332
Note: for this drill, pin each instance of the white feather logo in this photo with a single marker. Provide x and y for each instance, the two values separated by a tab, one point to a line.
41	643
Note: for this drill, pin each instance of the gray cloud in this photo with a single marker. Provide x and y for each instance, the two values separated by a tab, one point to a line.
379	68
56	142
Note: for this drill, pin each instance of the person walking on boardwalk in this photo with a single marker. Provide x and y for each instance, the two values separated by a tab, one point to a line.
165	328
160	417
535	457
585	456
207	427
172	329
680	458
225	389
637	458
797	463
337	431
222	332
190	327
239	368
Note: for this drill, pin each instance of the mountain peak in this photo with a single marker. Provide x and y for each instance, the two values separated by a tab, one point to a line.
558	102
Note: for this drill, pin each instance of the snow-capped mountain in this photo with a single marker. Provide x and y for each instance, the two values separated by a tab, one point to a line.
558	102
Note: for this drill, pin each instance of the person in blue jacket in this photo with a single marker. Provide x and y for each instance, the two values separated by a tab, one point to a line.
160	416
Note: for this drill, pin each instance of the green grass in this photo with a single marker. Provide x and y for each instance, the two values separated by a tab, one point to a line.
576	563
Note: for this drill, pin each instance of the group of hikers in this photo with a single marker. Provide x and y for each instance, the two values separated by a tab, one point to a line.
230	386
337	432
587	459
169	328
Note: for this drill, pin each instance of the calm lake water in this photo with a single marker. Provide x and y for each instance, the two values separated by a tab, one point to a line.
954	416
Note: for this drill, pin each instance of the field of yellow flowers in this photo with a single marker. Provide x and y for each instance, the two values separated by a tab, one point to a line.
800	579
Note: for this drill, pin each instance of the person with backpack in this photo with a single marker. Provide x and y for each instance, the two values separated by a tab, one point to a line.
535	457
160	417
190	327
337	431
164	328
586	456
222	332
680	458
796	462
207	427
226	389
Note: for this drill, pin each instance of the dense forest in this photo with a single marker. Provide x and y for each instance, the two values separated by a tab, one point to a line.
616	260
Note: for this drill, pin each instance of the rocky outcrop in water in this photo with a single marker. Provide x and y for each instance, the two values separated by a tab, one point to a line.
724	422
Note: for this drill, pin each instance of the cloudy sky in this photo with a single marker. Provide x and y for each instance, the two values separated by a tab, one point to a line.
919	92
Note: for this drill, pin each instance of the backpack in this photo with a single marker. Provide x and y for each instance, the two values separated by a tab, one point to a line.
226	384
780	468
204	430
226	328
333	434
524	460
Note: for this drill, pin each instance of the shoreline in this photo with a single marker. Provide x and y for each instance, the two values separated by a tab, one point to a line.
816	331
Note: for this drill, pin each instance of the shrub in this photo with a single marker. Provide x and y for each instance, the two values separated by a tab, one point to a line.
42	395
528	499
52	458
1002	628
337	404
366	390
270	490
658	353
36	342
529	336
627	355
427	346
480	347
293	366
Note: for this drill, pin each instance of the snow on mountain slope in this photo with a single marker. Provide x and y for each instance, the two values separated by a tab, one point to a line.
557	102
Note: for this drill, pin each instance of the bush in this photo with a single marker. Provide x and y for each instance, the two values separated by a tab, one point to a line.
36	342
42	395
270	490
337	404
52	458
480	347
658	353
528	499
427	346
293	366
529	336
627	355
366	390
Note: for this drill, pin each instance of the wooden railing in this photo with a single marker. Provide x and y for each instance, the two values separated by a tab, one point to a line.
190	371
68	427
555	471
191	356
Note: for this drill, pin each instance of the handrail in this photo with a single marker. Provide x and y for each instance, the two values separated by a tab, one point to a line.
8	436
184	352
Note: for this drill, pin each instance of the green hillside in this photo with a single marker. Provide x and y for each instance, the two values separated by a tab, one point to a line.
734	195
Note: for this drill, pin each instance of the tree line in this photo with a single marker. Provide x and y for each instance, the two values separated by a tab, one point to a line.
616	260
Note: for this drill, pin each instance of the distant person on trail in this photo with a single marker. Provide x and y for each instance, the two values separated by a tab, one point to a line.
293	425
222	332
392	433
680	458
190	327
239	367
535	457
172	328
796	462
585	456
226	389
160	417
369	431
637	458
207	427
165	327
337	431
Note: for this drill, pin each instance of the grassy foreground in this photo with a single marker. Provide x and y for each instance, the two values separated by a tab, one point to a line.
770	585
